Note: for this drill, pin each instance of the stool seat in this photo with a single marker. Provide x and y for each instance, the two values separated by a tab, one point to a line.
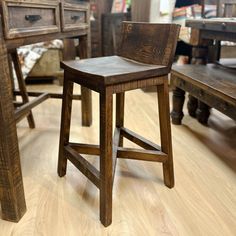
113	69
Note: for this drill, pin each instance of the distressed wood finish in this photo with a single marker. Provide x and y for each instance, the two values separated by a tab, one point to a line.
116	75
22	18
26	22
22	86
211	84
11	185
216	85
74	16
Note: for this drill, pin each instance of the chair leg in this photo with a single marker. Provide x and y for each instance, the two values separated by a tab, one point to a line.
120	107
106	157
165	130
22	86
65	125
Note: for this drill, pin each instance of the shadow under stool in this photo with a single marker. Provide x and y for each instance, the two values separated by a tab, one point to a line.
144	59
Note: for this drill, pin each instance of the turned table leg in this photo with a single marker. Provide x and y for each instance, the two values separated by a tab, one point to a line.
11	185
203	112
178	103
192	105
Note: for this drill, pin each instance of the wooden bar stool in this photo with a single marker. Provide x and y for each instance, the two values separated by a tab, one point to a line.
144	59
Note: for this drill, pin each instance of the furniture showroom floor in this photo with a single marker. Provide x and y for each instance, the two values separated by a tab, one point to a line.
203	201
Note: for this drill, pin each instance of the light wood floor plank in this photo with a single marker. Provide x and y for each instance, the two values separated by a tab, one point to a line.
203	201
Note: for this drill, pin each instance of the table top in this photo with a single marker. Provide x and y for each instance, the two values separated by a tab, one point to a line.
223	29
213	24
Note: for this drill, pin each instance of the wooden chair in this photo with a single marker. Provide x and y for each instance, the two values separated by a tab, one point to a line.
24	108
144	59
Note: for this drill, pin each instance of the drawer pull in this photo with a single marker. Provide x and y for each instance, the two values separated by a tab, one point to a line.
75	18
33	18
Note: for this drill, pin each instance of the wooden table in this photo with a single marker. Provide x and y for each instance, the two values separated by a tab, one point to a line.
22	23
204	32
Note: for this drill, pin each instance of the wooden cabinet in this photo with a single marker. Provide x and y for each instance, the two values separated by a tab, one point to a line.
98	7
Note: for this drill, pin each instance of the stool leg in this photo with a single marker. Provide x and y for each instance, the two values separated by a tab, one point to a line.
165	129
120	107
106	157
86	106
65	125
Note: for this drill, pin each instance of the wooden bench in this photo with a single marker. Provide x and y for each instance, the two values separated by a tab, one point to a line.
212	84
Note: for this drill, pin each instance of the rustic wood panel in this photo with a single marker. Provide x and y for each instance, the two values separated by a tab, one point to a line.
30	18
74	16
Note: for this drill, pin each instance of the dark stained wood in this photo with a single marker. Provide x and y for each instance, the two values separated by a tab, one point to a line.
22	86
113	69
141	155
74	16
158	50
213	24
213	85
139	140
178	103
24	23
89	149
18	42
65	124
111	31
31	18
83	165
106	157
116	75
11	185
86	95
192	106
165	132
98	7
213	29
115	145
211	78
50	95
27	107
120	110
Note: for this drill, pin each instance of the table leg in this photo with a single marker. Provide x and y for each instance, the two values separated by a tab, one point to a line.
196	108
11	185
192	105
178	102
203	112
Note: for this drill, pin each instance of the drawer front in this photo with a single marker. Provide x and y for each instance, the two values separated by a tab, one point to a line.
27	19
74	16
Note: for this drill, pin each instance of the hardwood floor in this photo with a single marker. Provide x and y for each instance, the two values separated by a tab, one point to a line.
203	201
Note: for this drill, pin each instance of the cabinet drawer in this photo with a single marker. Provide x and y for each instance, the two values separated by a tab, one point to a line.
30	18
75	16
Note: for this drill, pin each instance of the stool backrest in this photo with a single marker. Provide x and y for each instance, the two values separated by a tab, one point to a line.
148	42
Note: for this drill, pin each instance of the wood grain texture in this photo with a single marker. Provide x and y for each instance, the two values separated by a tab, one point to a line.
74	16
149	43
22	86
211	84
16	24
204	169
116	75
11	185
24	22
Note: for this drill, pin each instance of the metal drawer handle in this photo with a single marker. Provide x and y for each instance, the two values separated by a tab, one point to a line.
33	18
75	18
